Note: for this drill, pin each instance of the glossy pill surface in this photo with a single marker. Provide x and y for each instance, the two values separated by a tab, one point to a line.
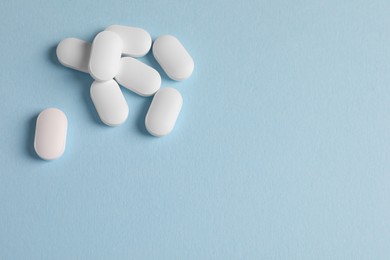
173	57
50	134
136	41
138	77
109	102
74	53
163	111
106	51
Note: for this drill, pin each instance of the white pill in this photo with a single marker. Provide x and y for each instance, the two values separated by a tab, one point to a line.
138	77
163	111
136	41
74	53
105	56
50	134
109	102
173	57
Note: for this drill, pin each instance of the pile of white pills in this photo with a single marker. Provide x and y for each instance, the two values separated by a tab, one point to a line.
111	60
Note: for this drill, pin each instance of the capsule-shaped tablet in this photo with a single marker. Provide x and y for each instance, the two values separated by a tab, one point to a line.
163	112
138	77
109	102
136	41
74	53
50	134
105	56
173	57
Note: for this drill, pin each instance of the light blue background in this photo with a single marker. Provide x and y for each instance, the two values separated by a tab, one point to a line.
281	150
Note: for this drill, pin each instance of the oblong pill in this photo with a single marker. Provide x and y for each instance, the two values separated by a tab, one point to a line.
74	53
105	56
136	41
163	111
50	134
173	57
138	77
109	102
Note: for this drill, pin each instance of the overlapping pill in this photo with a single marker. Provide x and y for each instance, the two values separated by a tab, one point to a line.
173	57
163	112
106	52
50	134
138	77
102	59
109	102
74	53
136	41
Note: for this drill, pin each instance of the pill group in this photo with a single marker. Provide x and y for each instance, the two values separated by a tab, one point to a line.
111	60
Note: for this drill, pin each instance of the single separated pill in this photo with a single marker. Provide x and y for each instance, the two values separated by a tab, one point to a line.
109	102
163	111
173	57
138	77
50	134
136	41
105	56
74	53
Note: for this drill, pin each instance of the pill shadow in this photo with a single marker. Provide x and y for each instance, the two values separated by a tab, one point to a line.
84	83
141	117
30	136
53	56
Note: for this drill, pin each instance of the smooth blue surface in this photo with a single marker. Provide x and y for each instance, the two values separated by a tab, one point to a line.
281	151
